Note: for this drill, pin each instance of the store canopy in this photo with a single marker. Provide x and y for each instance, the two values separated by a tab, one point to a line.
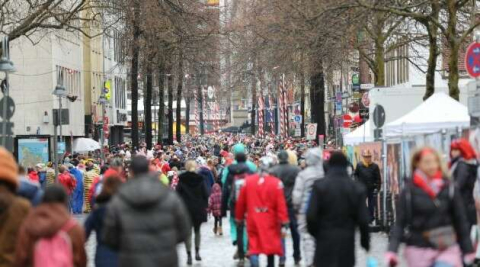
361	135
439	112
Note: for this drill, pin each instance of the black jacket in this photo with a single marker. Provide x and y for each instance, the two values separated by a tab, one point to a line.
337	206
145	221
421	213
465	176
287	174
369	176
193	190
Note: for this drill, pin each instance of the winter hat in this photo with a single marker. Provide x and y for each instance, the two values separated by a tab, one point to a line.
283	156
8	168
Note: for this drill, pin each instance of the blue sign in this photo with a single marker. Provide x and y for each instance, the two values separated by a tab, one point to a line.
472	60
297	118
61	148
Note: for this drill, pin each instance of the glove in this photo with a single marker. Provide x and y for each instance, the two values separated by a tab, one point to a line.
391	259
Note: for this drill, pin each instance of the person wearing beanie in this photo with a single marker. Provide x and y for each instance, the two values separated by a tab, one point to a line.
13	209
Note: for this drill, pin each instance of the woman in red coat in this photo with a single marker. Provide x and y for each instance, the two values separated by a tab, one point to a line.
262	200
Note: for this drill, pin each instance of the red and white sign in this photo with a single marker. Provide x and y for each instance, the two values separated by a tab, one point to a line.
347	121
365	100
311	131
472	60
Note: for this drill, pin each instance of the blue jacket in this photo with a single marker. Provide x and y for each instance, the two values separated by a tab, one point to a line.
104	256
77	196
30	191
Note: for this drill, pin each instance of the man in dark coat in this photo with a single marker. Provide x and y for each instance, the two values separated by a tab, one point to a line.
368	173
336	208
146	220
287	173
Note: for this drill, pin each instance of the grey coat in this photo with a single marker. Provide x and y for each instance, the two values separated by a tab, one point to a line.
306	178
144	222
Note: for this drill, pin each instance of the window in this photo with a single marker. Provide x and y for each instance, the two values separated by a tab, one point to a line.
71	79
120	99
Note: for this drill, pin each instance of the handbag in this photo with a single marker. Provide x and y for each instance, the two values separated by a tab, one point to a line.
441	238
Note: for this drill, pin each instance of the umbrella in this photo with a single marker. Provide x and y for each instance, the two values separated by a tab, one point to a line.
85	145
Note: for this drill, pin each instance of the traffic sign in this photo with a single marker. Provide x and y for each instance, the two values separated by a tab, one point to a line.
108	89
365	100
472	60
355	82
364	113
311	131
10	107
379	116
347	121
297	118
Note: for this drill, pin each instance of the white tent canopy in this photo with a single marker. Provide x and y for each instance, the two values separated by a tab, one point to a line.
439	112
360	135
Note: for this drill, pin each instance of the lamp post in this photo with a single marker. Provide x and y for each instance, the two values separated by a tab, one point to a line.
6	66
102	100
59	91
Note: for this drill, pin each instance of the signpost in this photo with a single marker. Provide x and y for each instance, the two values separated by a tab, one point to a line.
472	64
347	121
365	100
356	82
364	114
311	131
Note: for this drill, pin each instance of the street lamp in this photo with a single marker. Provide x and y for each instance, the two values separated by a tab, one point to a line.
6	66
59	91
103	101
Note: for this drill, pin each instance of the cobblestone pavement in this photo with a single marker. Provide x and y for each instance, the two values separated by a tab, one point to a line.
217	251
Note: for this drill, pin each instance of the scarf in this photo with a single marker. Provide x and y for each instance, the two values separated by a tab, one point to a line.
430	185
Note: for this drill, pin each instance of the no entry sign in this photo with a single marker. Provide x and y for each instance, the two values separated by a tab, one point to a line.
472	60
311	131
347	121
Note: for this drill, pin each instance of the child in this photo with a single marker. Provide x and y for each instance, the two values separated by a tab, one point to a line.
215	207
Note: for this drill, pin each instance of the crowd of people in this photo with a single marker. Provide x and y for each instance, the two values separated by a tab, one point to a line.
142	202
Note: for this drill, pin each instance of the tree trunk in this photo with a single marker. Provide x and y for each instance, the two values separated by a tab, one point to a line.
317	80
178	119
302	101
148	107
187	114
201	127
161	101
454	46
453	76
379	63
134	74
254	103
170	106
432	57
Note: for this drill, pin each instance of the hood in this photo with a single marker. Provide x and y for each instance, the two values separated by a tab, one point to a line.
46	219
314	157
238	148
191	179
143	191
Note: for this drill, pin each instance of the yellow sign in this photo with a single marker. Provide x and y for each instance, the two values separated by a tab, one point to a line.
108	89
213	2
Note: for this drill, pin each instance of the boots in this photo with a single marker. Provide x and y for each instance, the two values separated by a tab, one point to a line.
189	258
197	254
220	230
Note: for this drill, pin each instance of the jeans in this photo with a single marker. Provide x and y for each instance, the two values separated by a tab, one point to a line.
240	241
295	238
218	221
371	201
254	261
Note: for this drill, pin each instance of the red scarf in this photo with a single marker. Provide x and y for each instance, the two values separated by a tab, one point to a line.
431	185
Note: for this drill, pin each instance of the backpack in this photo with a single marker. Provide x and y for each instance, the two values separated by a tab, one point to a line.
55	251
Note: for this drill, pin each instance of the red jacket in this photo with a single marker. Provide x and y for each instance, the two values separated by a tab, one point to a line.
33	176
68	181
263	202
